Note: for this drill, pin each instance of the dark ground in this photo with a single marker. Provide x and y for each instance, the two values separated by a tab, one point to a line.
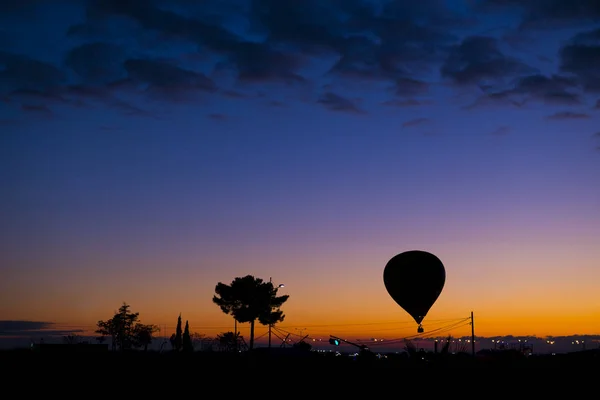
288	358
286	373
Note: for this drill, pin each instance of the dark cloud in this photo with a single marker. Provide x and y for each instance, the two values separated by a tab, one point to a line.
495	99
20	72
124	52
408	87
256	62
310	25
567	115
33	329
36	97
406	103
581	57
549	14
97	62
479	61
558	90
90	96
16	326
40	109
170	23
163	76
554	89
336	102
12	6
551	90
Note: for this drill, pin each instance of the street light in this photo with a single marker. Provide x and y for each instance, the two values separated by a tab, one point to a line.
270	310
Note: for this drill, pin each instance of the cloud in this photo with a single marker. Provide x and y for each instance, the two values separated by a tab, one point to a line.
479	61
406	102
581	57
549	14
336	102
97	62
122	54
410	87
255	62
16	328
20	72
567	115
552	90
548	89
40	109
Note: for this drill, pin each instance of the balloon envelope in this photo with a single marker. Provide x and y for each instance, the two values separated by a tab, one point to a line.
414	279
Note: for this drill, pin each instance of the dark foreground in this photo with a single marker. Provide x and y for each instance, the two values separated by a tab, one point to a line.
286	373
282	359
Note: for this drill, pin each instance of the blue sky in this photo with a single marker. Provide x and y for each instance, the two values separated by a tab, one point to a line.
151	149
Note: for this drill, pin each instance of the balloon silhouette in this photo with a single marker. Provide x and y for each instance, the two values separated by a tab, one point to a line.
415	279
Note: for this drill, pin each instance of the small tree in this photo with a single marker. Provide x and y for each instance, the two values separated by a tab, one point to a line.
125	330
228	341
302	346
143	335
187	344
71	339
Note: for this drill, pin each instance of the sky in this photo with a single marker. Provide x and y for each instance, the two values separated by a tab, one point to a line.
150	149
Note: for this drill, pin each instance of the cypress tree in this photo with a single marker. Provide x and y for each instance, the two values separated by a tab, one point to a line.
188	346
178	338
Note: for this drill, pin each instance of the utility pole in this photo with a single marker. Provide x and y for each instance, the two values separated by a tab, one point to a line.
235	334
472	334
271	325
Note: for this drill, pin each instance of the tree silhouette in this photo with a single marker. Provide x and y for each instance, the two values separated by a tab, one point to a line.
228	341
71	339
249	299
187	344
178	340
125	330
303	346
143	335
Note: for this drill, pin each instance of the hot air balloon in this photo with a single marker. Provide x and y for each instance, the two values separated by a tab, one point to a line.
415	279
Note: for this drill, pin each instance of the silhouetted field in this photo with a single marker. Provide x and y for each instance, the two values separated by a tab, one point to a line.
283	359
147	375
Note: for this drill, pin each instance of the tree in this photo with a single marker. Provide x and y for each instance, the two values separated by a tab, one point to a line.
125	330
187	344
71	339
177	341
249	299
143	335
228	341
302	346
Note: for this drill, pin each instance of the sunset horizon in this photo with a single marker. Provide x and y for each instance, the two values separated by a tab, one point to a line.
150	150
